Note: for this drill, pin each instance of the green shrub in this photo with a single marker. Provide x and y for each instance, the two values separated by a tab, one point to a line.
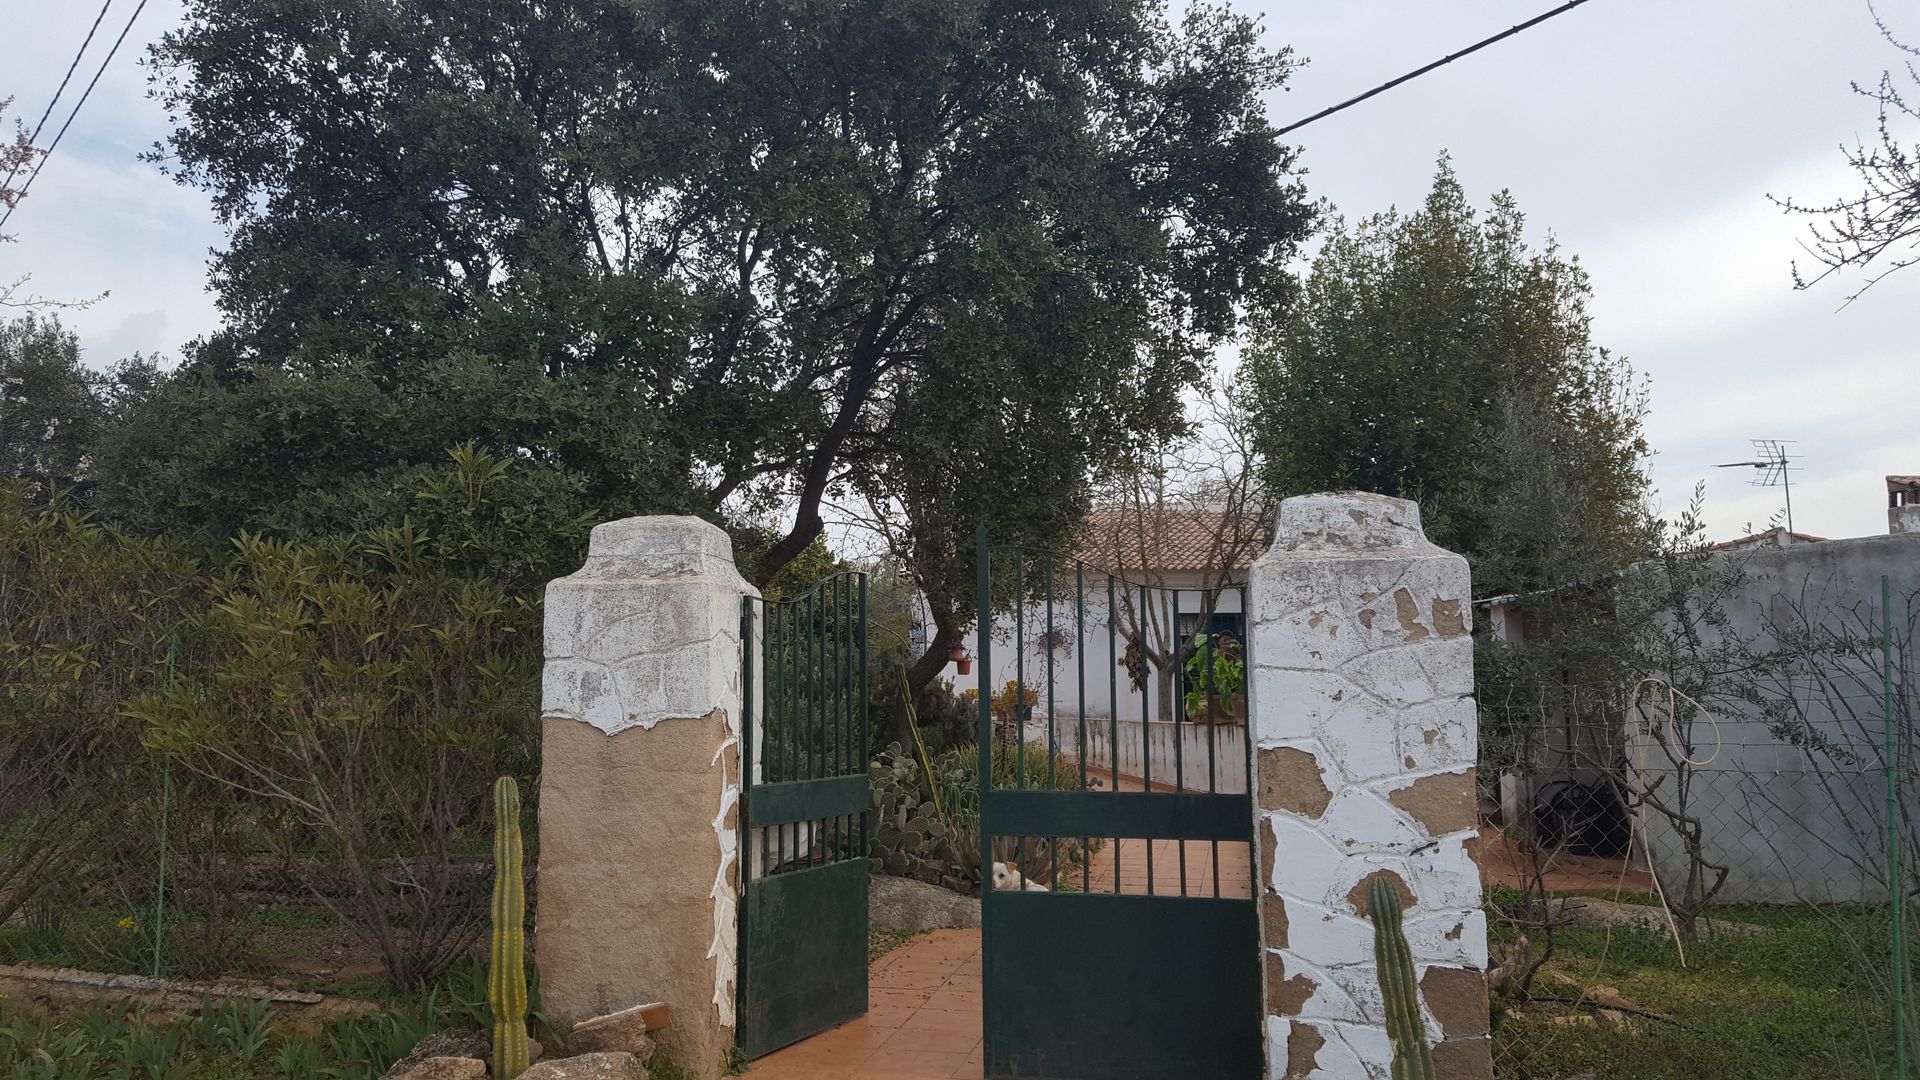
927	824
368	697
911	836
90	617
184	736
1220	657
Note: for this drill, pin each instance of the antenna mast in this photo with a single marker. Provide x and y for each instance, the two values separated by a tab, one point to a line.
1772	469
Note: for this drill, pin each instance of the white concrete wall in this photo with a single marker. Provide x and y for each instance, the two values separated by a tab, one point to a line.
1018	648
1174	755
1795	825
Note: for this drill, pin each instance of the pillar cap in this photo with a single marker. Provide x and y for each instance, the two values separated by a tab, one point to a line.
640	537
1342	521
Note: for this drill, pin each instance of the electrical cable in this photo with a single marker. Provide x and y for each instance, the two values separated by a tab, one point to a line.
76	111
1417	72
64	79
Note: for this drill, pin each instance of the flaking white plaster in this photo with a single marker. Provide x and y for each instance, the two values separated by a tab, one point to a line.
648	630
724	951
1361	656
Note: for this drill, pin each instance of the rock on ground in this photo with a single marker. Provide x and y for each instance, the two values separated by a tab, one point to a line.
911	907
624	1031
444	1068
444	1044
451	1044
1601	914
612	1066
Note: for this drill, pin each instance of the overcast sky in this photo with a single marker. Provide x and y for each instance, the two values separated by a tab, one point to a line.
1645	134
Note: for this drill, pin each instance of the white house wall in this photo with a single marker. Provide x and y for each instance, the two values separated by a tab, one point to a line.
1090	651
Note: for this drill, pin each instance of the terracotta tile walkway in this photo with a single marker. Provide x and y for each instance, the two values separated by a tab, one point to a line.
1503	863
1129	858
924	1020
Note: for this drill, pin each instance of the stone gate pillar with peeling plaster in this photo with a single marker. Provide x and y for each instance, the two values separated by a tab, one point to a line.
1363	719
640	784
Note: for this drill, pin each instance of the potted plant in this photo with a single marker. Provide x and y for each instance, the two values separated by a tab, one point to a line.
1215	662
957	655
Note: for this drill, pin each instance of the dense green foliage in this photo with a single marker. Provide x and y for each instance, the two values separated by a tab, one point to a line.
88	619
319	720
53	409
712	258
1437	356
926	822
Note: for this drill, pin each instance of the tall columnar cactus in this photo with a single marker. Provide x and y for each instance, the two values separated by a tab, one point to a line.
1412	1057
507	969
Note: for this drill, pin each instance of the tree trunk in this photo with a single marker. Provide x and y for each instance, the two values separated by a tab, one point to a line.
1166	682
925	668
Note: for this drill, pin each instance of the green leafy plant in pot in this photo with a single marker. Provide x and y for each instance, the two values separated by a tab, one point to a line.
1216	663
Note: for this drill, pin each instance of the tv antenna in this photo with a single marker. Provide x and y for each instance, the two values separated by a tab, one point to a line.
1772	469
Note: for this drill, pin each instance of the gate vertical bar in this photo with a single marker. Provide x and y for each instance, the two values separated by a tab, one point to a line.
1895	887
1179	725
841	730
744	842
983	608
817	711
1053	735
842	726
773	648
1080	654
1113	719
866	717
1146	719
1019	696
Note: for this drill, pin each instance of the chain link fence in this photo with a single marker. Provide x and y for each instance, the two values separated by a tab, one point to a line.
1679	891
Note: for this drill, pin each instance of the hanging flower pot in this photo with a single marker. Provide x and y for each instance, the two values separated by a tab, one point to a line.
964	665
956	653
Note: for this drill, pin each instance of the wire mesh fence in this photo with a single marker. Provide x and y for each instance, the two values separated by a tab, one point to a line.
1678	890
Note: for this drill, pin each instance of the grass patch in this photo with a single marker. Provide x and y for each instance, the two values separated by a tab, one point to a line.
1797	1002
881	942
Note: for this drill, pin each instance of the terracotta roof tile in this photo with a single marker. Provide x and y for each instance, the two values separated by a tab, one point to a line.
1176	539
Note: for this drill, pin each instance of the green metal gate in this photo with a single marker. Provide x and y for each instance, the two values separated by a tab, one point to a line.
803	826
1140	960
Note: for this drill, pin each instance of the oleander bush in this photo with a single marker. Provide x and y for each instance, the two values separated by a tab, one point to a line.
189	736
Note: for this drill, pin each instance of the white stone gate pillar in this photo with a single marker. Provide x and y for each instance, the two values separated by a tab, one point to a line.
1363	719
638	873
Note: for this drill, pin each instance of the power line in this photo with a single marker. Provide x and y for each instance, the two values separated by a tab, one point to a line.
84	94
35	137
1417	72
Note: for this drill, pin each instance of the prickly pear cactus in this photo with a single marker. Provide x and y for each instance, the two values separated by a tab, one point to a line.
1412	1057
507	967
909	838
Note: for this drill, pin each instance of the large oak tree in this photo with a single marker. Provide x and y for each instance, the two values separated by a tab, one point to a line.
728	258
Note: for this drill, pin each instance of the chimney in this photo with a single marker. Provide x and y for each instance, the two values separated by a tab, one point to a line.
1903	505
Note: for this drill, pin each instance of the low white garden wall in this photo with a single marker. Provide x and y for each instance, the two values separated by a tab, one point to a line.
1170	754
